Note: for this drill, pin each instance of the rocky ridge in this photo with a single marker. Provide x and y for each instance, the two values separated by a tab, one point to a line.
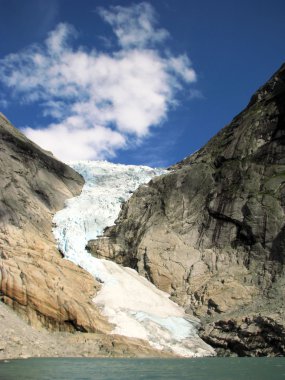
35	281
211	232
53	296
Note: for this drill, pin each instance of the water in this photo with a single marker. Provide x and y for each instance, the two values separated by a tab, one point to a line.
144	369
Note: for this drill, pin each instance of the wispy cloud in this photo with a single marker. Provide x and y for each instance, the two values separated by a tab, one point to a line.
99	102
3	103
134	26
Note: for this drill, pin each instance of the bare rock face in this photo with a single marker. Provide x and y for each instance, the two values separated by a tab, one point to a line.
253	335
19	340
211	232
34	280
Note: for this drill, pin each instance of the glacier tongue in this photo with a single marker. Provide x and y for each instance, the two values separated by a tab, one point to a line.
134	305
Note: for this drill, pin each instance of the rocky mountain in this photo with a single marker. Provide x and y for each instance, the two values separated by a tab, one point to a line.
35	281
132	304
46	290
211	232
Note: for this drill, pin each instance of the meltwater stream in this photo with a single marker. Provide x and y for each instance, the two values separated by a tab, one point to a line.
135	306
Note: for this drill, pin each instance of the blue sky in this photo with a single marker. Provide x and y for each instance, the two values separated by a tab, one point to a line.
132	82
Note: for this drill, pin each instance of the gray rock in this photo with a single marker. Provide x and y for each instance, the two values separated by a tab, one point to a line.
211	232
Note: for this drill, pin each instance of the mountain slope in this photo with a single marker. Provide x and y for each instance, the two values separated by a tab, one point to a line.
34	280
46	290
212	231
133	305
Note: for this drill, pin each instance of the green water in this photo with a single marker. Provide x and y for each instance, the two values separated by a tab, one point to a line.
148	369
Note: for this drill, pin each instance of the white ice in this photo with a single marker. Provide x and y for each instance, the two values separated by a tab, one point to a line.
131	303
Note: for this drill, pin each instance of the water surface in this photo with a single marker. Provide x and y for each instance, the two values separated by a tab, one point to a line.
145	369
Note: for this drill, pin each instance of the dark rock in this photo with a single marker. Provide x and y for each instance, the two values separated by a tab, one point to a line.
211	232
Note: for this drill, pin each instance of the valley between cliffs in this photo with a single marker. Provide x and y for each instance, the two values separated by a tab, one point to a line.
210	233
52	296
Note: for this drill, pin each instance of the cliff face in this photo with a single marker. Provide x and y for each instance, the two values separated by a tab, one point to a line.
211	232
34	280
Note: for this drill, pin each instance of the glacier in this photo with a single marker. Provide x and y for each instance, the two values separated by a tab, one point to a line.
130	302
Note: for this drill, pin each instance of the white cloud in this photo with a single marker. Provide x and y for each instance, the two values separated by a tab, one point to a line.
57	41
72	141
134	26
181	66
98	101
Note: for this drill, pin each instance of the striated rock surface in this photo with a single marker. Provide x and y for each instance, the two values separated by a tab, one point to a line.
34	279
47	291
211	232
19	340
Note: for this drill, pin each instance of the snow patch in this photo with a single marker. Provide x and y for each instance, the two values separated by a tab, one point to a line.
134	305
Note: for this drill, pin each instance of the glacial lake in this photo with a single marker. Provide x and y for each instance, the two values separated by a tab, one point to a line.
146	369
